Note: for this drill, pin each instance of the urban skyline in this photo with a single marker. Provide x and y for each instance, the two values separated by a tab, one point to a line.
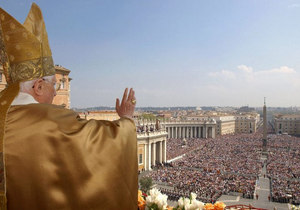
175	53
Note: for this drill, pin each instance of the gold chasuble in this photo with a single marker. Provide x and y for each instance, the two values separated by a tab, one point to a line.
50	159
55	160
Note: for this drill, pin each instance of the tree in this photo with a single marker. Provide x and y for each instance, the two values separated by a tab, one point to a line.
145	184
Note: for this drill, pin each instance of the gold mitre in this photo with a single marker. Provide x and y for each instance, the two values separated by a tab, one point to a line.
26	53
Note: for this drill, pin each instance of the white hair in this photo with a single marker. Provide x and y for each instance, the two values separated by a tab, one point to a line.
26	86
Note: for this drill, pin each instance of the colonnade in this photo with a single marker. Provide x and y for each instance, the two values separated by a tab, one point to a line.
190	131
153	148
156	152
153	144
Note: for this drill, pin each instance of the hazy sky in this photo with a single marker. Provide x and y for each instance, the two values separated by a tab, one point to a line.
175	52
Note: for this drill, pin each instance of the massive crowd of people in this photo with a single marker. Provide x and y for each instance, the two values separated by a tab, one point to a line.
177	147
231	163
283	168
212	167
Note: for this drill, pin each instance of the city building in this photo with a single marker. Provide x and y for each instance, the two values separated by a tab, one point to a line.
246	109
287	124
100	115
63	83
246	122
225	125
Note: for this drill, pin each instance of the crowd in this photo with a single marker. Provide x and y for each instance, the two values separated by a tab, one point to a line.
283	168
231	163
219	154
285	191
212	167
208	185
177	147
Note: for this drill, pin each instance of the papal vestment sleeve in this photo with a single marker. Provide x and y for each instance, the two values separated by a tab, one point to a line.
55	160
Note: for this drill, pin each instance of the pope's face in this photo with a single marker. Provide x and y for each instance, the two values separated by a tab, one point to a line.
49	91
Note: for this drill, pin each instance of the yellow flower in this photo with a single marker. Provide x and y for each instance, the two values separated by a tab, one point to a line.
209	206
219	206
169	207
140	195
141	201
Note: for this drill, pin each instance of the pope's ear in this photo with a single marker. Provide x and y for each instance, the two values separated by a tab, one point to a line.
38	87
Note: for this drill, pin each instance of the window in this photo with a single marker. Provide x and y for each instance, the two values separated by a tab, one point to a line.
62	86
0	77
140	158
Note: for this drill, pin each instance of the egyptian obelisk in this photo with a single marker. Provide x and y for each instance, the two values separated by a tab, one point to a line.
265	126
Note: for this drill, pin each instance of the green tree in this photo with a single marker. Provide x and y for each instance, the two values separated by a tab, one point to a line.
148	116
145	184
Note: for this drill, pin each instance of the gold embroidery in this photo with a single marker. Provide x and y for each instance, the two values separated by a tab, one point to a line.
3	56
32	69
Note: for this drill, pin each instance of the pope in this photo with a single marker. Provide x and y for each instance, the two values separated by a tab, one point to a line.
51	159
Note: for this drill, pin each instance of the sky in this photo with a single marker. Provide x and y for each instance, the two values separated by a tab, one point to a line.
175	52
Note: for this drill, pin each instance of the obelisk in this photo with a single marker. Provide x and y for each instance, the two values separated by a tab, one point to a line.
265	126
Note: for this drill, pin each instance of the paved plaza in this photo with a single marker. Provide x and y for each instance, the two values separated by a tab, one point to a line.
262	189
260	203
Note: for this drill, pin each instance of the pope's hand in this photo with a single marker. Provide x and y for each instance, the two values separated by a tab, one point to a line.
126	108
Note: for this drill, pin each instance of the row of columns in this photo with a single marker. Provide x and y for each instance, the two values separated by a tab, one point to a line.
191	131
155	152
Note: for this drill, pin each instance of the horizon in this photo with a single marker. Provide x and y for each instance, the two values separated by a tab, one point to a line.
175	53
236	107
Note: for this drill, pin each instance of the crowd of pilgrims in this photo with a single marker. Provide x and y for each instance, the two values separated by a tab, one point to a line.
283	168
231	163
177	147
212	167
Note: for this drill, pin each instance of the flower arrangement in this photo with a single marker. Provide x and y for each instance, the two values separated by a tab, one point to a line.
190	203
293	207
158	201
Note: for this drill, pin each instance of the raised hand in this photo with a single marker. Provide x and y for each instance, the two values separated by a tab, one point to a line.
127	106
